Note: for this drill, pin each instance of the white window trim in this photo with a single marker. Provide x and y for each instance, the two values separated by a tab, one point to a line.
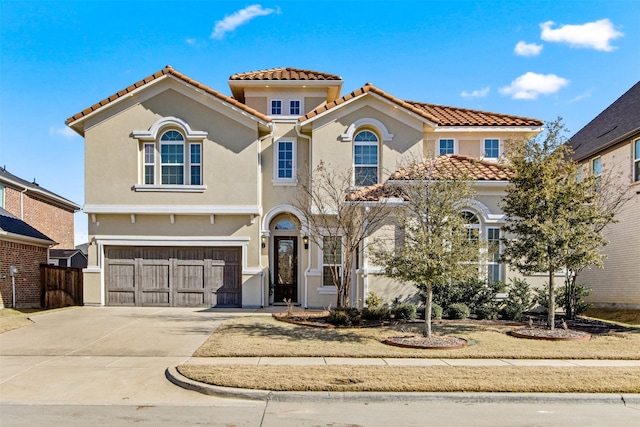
271	101
484	152
593	169
189	164
636	160
500	248
455	146
326	290
184	163
367	121
353	154
294	173
300	113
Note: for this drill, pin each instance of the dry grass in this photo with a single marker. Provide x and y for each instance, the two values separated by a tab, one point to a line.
265	336
623	316
419	379
14	319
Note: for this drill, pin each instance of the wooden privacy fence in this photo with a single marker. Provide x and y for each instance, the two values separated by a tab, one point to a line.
61	286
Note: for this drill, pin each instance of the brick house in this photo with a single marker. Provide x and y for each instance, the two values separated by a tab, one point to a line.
25	248
48	212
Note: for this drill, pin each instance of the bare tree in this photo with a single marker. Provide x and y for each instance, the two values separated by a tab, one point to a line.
338	221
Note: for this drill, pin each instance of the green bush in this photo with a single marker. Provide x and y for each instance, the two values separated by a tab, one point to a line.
488	312
580	305
542	298
518	300
487	305
373	300
436	311
344	317
404	311
458	311
376	313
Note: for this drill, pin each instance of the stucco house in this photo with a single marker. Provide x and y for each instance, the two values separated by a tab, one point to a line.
189	191
609	146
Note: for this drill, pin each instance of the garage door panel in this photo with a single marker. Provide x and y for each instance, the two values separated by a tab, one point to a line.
181	277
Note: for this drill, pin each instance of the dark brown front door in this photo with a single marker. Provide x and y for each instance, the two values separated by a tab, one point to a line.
286	268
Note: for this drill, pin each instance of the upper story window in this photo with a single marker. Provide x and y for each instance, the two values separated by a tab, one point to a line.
636	160
284	170
491	148
596	169
446	147
294	107
170	154
276	107
365	158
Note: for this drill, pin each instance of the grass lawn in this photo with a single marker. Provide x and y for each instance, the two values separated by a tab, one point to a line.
12	319
265	336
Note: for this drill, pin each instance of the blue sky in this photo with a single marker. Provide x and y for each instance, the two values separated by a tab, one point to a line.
539	59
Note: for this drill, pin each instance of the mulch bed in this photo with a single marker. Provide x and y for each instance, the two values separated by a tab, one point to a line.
431	343
557	334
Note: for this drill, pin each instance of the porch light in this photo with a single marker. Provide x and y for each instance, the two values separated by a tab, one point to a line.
264	241
305	241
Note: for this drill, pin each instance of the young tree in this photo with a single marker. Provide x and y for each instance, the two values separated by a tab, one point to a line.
555	219
337	221
436	247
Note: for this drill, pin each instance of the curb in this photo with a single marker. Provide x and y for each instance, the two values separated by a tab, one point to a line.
180	380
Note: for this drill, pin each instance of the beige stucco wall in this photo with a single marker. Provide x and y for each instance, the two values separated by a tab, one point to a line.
618	283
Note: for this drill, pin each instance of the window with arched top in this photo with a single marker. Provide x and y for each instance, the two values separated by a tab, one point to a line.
491	253
180	162
365	158
285	224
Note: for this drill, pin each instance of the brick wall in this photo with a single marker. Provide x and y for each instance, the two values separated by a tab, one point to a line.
27	258
54	221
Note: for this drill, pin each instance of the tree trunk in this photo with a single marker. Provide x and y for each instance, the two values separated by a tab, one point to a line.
551	312
427	313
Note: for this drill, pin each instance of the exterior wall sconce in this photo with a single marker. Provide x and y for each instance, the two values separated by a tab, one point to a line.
305	241
264	241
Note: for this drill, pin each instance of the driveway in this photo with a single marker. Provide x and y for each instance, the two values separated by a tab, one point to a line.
104	355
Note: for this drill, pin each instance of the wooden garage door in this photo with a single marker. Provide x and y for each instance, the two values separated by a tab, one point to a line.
173	277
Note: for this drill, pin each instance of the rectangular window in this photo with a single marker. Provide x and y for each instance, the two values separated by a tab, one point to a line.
149	164
491	148
446	146
294	107
580	173
2	196
285	159
636	161
276	107
331	259
494	270
366	165
172	163
596	168
195	164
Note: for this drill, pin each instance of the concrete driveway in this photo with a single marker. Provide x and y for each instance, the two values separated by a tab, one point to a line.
104	355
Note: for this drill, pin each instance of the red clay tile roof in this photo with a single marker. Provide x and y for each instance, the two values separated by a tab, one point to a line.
443	167
165	71
372	89
453	116
441	115
284	73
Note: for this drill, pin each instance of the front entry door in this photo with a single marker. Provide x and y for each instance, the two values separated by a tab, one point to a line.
286	268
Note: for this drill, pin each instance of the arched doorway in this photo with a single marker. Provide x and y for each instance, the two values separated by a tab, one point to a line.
284	260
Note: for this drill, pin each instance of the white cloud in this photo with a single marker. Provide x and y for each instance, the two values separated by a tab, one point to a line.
62	131
478	93
531	85
233	21
580	97
595	35
527	49
191	42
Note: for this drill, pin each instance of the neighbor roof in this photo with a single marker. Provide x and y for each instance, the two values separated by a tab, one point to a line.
616	123
9	224
284	73
442	167
438	114
168	70
11	180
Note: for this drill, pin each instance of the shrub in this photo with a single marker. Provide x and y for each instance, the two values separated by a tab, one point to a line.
488	312
487	305
580	305
542	298
376	312
373	300
518	301
458	311
436	311
404	311
344	317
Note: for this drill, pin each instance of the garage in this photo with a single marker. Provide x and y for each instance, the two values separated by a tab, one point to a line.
173	276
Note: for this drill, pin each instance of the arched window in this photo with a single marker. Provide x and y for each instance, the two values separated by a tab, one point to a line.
365	158
285	224
172	157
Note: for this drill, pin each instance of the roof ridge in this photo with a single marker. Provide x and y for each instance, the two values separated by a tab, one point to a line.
257	73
